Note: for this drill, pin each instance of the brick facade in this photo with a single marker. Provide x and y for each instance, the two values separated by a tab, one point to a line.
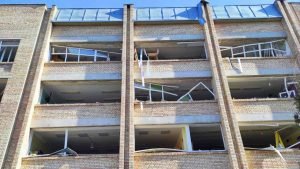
26	29
20	111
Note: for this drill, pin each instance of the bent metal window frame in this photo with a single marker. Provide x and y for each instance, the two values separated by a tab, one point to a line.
68	51
264	49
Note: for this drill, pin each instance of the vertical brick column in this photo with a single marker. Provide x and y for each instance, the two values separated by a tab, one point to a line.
284	5
229	122
24	23
20	137
290	26
126	159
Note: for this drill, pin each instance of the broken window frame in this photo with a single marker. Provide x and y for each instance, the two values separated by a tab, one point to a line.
96	53
188	94
3	49
272	50
289	93
150	89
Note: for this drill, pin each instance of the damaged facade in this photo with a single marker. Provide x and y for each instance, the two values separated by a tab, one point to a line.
199	87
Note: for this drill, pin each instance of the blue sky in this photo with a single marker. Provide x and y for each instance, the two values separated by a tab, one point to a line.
137	3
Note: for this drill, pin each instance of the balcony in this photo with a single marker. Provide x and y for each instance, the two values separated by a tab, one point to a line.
84	61
258	58
263	98
162	101
171	59
92	147
218	160
78	103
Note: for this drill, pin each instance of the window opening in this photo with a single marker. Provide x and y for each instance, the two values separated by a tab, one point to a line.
148	139
207	137
8	50
68	142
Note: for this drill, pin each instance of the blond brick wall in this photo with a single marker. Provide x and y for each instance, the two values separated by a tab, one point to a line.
74	71
5	69
261	66
175	66
77	111
167	30
233	28
260	159
105	161
112	32
209	160
27	29
159	109
264	106
296	10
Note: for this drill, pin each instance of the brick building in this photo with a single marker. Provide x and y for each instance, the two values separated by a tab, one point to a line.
149	87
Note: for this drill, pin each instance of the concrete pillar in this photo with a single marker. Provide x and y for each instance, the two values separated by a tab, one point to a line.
126	157
229	122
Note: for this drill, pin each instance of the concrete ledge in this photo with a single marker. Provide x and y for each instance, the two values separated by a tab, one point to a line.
260	66
82	161
68	115
175	69
265	109
82	71
181	160
258	159
173	112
